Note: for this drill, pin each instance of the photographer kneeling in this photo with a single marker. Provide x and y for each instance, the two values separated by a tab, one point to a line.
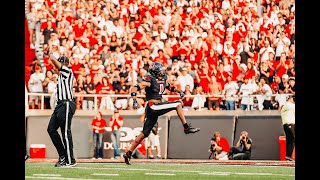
219	147
242	151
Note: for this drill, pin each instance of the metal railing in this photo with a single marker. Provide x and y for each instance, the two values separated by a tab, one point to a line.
42	95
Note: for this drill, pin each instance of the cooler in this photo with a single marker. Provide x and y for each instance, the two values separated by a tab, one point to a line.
282	143
37	151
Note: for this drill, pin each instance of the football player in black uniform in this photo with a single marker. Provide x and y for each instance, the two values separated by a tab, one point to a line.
155	84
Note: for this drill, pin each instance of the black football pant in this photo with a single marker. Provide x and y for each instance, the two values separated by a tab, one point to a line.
62	118
289	130
153	111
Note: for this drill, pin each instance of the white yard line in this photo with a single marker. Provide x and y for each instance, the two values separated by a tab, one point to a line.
43	177
263	174
136	169
216	173
253	174
97	174
49	175
159	174
186	171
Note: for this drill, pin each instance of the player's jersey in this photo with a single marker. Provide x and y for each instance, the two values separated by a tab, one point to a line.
156	89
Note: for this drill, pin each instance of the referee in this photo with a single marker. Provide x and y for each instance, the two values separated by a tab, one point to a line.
63	113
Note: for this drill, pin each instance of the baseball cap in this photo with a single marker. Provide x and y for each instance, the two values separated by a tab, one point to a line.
285	76
292	78
37	67
243	66
63	59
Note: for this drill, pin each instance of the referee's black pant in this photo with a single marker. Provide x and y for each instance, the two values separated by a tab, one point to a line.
153	111
62	118
289	130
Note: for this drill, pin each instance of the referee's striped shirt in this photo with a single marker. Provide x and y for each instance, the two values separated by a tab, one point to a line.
65	84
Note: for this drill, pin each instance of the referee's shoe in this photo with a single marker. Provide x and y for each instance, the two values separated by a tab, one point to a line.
72	164
26	157
61	162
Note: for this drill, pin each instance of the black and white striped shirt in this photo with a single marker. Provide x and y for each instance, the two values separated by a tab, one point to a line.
65	84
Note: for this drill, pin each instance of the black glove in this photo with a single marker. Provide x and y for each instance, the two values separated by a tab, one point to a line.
168	86
135	103
182	94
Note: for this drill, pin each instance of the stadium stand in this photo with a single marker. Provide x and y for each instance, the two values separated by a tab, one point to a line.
29	54
113	38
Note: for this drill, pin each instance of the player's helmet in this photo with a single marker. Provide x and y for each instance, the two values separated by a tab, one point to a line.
156	69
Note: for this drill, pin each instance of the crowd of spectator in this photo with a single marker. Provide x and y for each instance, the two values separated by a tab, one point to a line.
217	48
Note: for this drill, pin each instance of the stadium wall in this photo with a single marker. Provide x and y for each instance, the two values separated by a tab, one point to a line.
264	128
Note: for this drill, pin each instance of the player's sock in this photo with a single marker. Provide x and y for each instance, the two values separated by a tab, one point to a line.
186	125
129	153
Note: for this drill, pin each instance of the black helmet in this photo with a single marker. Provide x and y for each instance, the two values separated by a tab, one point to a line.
63	59
156	69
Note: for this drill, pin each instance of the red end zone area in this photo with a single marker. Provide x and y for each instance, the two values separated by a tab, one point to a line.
181	161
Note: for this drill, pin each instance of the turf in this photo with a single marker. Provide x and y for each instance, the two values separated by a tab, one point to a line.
140	171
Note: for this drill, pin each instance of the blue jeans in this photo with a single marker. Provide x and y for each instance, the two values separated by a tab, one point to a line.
115	138
230	105
245	106
98	145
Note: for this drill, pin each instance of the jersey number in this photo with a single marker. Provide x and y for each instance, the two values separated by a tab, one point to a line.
161	88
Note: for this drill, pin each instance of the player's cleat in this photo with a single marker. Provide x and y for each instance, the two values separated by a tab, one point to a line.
72	164
61	162
191	130
127	158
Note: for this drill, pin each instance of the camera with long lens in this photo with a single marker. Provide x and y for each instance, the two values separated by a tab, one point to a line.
213	139
212	144
212	150
243	139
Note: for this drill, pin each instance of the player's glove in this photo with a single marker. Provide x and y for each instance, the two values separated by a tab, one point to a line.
168	86
182	94
135	103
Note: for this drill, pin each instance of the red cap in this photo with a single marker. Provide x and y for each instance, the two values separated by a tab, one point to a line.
38	67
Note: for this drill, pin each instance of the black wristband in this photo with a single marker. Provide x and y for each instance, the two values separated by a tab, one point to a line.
133	94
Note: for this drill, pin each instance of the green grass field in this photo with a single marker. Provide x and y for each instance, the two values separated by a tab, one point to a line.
140	171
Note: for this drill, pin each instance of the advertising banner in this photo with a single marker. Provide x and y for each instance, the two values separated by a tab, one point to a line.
83	136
